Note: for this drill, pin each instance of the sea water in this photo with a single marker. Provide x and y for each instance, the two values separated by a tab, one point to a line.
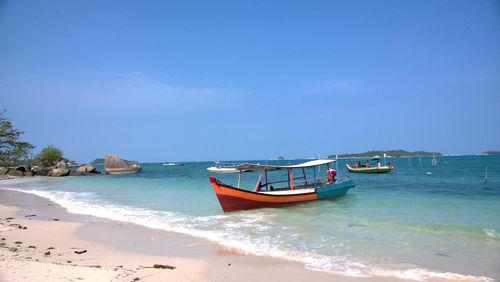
421	222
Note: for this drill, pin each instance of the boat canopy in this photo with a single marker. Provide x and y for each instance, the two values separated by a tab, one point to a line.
282	167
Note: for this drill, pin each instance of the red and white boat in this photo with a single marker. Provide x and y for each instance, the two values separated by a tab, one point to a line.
292	190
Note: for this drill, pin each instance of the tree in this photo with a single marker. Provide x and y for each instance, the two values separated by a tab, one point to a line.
50	155
11	148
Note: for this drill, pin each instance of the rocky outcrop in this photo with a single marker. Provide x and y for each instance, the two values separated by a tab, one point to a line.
115	165
13	172
4	170
61	169
41	170
86	169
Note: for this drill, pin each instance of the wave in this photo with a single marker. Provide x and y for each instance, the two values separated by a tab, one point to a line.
226	230
492	233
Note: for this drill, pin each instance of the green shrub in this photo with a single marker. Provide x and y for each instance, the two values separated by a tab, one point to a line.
50	155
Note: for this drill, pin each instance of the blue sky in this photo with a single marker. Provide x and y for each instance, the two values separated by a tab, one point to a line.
205	80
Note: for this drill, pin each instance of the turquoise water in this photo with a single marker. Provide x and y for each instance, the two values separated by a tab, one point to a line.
420	222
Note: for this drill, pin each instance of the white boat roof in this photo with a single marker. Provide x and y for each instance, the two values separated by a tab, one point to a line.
282	167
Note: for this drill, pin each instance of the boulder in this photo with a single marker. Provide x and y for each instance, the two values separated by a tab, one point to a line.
23	168
115	165
15	173
41	170
62	165
86	169
57	172
4	170
61	169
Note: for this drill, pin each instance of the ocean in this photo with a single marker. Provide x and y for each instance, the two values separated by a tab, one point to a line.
421	222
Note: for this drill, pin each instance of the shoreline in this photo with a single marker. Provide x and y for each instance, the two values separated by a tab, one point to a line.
122	251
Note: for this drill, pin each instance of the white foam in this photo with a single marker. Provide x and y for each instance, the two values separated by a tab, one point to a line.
491	233
14	181
226	230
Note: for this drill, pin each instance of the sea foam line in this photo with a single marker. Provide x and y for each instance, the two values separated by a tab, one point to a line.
176	222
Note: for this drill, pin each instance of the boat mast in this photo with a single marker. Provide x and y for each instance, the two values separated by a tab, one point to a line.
486	174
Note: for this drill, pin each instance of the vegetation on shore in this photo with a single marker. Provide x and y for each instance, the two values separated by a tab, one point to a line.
12	148
392	153
50	155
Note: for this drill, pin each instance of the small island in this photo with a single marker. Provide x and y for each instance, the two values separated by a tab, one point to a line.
391	153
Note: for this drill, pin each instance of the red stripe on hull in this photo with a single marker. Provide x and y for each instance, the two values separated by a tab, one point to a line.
229	203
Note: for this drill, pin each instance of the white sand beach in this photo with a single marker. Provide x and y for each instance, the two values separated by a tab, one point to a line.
40	241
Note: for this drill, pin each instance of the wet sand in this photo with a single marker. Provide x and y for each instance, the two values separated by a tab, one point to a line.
41	241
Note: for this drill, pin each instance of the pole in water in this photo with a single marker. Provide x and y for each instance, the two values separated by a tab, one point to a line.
486	174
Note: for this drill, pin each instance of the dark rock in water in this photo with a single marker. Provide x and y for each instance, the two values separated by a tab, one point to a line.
115	165
30	215
78	173
55	219
47	253
13	249
443	255
18	242
80	252
32	247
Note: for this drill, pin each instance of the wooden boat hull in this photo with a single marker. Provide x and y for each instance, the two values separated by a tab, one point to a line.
233	199
375	169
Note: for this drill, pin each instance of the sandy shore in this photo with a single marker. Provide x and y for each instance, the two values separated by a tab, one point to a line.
40	241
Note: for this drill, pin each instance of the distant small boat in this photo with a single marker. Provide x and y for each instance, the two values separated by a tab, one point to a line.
370	166
291	190
174	164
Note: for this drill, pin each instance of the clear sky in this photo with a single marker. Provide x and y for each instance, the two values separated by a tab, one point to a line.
206	80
